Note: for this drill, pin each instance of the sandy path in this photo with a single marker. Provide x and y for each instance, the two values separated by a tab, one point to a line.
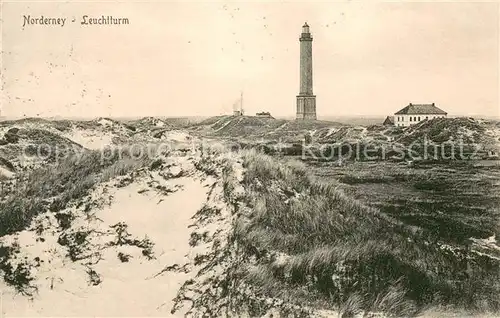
125	289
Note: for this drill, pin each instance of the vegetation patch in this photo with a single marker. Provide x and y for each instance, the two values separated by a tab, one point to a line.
206	213
7	164
123	237
64	220
77	244
302	234
124	258
196	238
16	274
94	277
55	187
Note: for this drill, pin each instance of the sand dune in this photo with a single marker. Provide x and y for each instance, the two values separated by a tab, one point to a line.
67	288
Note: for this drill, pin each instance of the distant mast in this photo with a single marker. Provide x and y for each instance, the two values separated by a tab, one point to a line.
241	103
238	110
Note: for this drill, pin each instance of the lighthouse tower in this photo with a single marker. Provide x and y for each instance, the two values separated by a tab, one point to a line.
306	100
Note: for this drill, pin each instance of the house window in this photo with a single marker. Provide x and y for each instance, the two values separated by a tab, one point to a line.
410	118
426	117
418	118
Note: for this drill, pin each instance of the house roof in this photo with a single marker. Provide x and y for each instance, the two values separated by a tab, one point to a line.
421	109
388	120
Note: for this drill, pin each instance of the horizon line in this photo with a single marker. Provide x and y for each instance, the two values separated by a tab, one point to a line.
291	116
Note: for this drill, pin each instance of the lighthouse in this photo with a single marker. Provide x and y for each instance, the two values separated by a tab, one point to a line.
306	100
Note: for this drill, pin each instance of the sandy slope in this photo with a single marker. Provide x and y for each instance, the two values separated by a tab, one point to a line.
89	139
125	288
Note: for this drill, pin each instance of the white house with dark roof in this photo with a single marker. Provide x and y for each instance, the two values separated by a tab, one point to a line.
415	113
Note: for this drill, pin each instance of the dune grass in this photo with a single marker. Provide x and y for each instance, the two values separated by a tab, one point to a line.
309	236
54	187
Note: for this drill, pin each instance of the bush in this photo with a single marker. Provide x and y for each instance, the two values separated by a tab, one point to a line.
11	138
13	131
7	164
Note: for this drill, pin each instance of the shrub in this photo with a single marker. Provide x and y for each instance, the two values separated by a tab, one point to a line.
11	138
13	131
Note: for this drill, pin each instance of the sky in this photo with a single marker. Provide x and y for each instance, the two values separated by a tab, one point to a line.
194	58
